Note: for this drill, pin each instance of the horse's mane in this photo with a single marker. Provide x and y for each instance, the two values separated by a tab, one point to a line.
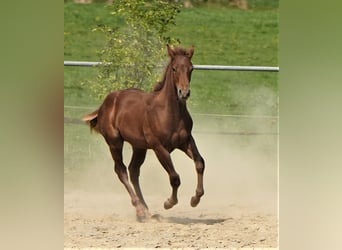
158	86
178	51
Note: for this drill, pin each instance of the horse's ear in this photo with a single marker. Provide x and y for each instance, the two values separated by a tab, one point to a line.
170	51
191	51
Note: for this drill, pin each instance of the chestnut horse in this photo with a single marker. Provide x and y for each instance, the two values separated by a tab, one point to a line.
159	121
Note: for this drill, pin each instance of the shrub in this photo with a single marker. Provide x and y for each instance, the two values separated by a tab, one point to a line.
134	52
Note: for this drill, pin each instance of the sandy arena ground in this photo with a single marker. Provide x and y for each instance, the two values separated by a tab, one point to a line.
101	220
238	209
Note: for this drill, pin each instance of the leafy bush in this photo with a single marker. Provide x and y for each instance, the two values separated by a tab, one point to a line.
134	52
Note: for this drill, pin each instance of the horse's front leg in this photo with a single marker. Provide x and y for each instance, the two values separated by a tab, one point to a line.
191	150
164	158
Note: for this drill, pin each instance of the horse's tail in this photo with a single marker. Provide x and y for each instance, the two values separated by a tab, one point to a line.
91	119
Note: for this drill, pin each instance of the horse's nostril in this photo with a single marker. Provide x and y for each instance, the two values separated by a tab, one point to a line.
185	93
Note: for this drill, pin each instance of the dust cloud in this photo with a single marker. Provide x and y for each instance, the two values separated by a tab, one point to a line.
240	169
238	209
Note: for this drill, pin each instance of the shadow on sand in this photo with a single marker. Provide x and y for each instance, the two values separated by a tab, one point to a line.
187	221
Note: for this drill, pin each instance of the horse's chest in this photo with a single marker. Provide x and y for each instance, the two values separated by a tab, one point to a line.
169	130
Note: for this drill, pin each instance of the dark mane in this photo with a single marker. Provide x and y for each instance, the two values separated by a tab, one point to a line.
178	52
158	86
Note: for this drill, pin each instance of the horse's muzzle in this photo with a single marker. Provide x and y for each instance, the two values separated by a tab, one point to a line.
183	94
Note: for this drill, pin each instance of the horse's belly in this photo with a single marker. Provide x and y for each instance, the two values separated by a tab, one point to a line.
179	138
134	137
137	143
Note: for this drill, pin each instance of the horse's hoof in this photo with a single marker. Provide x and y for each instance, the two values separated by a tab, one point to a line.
194	201
169	204
143	216
141	219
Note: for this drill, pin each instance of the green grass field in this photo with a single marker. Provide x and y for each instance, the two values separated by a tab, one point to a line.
221	36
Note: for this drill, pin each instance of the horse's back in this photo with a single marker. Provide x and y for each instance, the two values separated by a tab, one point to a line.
121	100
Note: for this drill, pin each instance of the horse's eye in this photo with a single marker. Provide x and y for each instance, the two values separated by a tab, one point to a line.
174	69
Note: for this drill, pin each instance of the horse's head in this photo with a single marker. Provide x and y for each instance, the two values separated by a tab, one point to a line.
181	68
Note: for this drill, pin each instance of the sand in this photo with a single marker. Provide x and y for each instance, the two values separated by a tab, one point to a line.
106	221
238	210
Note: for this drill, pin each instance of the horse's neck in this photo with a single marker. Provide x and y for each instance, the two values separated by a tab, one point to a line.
168	96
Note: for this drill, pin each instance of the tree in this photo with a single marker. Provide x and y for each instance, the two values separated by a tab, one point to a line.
135	52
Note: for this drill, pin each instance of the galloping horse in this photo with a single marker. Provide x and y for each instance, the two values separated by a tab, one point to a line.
159	121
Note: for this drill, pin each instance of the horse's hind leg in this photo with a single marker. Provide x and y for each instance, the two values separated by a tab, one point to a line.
137	160
191	150
121	170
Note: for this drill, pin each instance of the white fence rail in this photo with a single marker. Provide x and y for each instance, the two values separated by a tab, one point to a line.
197	67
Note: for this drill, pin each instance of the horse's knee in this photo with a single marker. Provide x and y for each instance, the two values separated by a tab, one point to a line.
121	172
175	181
200	166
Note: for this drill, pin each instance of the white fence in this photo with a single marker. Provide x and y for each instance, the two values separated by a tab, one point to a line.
196	67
